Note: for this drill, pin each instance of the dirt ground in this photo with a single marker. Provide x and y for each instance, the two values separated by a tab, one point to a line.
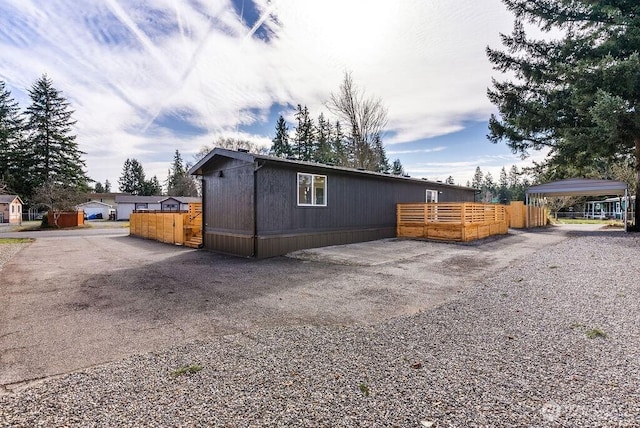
70	302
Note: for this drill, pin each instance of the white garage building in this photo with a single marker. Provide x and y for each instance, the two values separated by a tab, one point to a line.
96	210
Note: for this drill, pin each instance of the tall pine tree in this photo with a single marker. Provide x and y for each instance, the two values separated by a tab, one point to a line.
11	140
280	144
54	153
179	183
379	154
132	180
303	145
338	145
323	152
577	94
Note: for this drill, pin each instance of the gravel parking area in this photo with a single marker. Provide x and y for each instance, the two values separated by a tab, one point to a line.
552	340
7	251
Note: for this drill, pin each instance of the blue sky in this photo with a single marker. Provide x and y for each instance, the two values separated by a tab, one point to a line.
148	77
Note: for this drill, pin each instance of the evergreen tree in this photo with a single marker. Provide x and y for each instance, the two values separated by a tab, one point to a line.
513	177
449	180
280	144
179	182
98	188
54	155
151	187
175	174
396	168
488	187
132	179
380	156
504	194
323	152
107	186
339	149
578	94
303	146
11	137
477	180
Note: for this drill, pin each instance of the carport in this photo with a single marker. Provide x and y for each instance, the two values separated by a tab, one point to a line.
579	187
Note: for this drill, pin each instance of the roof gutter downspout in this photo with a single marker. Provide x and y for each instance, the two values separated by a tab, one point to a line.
256	168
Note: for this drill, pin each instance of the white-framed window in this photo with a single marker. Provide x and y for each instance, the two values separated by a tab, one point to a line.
312	190
432	196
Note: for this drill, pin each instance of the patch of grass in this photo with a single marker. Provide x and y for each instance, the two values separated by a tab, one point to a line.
15	240
576	325
184	370
582	221
364	389
595	333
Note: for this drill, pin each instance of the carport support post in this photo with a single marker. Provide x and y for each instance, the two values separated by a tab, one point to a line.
626	208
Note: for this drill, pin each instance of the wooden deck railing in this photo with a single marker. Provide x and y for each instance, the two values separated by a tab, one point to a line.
463	221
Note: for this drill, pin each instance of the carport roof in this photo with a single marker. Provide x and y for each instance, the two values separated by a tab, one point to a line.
579	187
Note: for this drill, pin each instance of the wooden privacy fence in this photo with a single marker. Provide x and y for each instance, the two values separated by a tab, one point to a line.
464	221
180	228
521	215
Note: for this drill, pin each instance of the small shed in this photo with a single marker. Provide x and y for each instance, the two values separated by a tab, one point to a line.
10	209
96	210
263	206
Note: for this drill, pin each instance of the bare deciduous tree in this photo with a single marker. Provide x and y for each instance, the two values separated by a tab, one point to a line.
58	197
4	188
366	117
231	144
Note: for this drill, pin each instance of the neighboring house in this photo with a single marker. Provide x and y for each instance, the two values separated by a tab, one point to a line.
263	206
177	203
10	209
126	204
106	198
96	210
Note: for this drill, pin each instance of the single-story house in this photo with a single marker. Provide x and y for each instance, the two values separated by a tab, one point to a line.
263	206
94	210
10	209
106	198
177	203
126	204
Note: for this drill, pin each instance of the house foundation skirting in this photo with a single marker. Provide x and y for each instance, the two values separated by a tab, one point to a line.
276	245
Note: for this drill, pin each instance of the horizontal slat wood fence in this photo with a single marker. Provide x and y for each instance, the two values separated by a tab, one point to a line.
463	221
180	228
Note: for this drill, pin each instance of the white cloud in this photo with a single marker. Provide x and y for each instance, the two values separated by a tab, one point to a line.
413	151
463	171
124	64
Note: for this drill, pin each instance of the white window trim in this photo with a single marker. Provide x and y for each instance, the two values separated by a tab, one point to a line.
313	179
434	196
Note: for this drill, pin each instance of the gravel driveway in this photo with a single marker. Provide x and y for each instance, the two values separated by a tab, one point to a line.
551	339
